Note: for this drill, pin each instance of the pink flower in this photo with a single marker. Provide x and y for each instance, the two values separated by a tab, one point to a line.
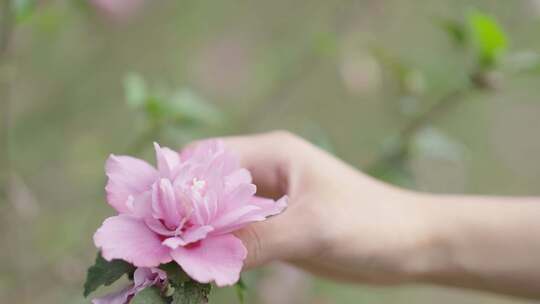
119	9
185	210
142	278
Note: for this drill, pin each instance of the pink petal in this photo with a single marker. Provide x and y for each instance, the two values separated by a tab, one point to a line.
188	237
164	203
156	226
194	235
128	238
218	259
240	196
142	278
140	205
119	297
232	217
174	242
146	276
127	176
238	177
167	160
264	208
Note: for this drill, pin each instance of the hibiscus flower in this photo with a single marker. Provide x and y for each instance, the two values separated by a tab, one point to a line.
185	210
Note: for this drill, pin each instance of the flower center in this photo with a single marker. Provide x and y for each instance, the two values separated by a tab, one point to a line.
198	185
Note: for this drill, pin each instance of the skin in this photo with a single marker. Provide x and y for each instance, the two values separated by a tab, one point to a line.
345	225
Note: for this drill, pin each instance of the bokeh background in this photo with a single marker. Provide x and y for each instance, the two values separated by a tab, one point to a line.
80	80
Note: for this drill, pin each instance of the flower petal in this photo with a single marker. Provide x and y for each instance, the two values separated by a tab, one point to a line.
238	177
167	160
128	238
218	259
164	203
261	209
127	176
140	205
119	297
188	237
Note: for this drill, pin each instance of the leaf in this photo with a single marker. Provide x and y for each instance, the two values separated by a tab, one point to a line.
149	295
455	30
105	273
432	143
135	90
23	9
191	292
240	287
488	38
175	274
186	105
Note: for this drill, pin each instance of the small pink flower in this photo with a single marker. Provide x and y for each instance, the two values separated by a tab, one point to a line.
119	9
185	210
142	278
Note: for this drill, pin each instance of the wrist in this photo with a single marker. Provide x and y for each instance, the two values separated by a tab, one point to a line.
430	253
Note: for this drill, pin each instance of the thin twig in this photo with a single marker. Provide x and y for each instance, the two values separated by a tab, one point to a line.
440	108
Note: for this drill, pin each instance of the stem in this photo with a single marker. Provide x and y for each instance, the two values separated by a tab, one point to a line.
440	108
6	29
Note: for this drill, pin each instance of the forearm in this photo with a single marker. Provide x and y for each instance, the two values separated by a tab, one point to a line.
488	243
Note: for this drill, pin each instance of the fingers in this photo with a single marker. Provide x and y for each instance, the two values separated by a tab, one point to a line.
279	238
269	158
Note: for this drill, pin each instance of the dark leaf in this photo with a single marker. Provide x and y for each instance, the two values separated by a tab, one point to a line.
175	274
105	273
191	292
455	30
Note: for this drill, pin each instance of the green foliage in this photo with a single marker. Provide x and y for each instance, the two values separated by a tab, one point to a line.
193	109
105	273
135	90
240	288
22	9
183	289
455	30
181	107
487	38
191	292
175	274
149	295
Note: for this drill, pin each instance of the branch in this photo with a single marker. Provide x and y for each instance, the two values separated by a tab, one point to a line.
439	109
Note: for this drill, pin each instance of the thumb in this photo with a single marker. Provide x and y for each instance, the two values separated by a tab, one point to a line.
278	238
261	241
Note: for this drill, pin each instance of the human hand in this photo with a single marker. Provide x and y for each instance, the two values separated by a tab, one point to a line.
340	223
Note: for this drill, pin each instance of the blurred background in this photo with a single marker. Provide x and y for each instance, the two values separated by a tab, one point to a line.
439	96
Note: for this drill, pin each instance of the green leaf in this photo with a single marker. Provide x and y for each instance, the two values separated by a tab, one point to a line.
488	38
455	30
175	274
186	105
135	90
105	273
240	287
149	295
23	9
191	292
